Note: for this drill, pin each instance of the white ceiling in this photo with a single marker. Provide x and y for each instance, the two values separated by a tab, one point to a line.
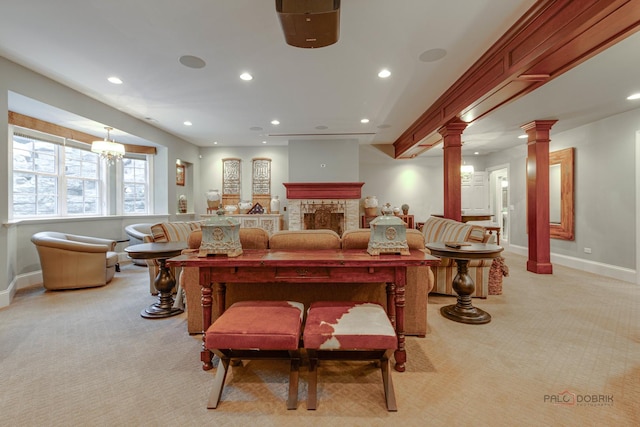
80	43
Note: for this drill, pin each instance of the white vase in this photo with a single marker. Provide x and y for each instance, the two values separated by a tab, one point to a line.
244	206
370	206
274	206
213	199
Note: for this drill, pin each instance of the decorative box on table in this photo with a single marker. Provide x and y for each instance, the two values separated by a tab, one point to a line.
220	235
388	234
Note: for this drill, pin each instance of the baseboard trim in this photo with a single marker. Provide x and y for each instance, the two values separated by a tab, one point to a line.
19	282
607	270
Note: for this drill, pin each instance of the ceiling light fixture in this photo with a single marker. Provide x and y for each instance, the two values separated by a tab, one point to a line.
364	121
246	76
108	150
115	80
187	123
523	136
633	96
264	142
384	73
275	122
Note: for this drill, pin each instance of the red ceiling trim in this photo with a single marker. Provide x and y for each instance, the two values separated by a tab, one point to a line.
551	38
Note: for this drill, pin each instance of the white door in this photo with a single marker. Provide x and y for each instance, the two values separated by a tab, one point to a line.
475	193
499	200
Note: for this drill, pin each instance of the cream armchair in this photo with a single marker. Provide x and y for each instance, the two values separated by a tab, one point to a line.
70	261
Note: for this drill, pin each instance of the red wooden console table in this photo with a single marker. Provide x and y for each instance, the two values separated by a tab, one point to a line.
322	266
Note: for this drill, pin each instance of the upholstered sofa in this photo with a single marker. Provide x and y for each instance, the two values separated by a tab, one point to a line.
437	229
70	261
419	279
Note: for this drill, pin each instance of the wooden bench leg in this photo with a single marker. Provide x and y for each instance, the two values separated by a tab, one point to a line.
218	383
312	392
389	392
292	401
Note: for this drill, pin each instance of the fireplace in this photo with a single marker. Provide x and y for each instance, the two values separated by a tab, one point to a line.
324	205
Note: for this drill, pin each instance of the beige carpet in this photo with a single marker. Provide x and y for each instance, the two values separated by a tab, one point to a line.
86	357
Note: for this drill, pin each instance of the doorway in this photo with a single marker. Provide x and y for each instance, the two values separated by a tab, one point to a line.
499	201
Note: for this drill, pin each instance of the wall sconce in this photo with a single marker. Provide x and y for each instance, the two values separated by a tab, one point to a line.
108	150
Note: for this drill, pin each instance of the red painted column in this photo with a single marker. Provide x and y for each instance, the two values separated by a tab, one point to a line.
452	137
538	195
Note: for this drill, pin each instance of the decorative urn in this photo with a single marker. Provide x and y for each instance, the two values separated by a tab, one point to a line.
220	236
388	234
213	199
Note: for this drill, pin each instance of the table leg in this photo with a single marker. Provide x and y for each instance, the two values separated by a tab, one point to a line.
164	283
206	300
400	355
463	311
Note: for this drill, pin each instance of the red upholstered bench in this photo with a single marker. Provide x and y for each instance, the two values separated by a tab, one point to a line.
345	330
256	330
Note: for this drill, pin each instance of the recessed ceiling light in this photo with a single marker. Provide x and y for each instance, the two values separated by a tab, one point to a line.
246	76
364	121
264	142
215	142
187	123
476	153
115	80
275	122
384	73
634	96
522	136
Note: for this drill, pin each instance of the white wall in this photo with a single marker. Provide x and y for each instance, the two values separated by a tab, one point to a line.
323	161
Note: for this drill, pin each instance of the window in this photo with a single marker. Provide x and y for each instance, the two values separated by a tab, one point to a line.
135	174
58	177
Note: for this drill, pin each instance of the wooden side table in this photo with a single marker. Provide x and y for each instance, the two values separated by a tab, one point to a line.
463	311
165	282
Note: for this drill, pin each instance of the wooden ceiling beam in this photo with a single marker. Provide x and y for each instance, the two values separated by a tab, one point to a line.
28	122
551	38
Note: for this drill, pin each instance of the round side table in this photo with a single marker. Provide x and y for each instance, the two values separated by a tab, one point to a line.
464	311
164	282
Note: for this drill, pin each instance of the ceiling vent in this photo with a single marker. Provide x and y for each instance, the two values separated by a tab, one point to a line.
309	23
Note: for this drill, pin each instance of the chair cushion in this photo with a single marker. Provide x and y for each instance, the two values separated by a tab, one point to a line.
112	259
348	325
257	325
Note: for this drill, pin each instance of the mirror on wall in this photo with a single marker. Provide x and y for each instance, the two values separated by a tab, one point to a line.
561	215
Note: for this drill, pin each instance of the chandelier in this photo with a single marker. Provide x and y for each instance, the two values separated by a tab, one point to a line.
108	150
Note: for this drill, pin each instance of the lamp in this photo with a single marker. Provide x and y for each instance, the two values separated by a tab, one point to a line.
466	171
108	150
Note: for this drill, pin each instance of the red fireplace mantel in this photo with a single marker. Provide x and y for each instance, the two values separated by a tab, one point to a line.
323	190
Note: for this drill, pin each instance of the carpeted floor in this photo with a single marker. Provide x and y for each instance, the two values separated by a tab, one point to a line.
86	357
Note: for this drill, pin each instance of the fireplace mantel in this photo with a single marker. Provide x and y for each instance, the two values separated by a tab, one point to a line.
324	190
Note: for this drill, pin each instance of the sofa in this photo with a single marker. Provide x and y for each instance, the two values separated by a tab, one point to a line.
70	261
437	229
419	279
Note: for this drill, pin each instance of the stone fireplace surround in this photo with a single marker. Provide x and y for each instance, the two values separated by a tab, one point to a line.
337	197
